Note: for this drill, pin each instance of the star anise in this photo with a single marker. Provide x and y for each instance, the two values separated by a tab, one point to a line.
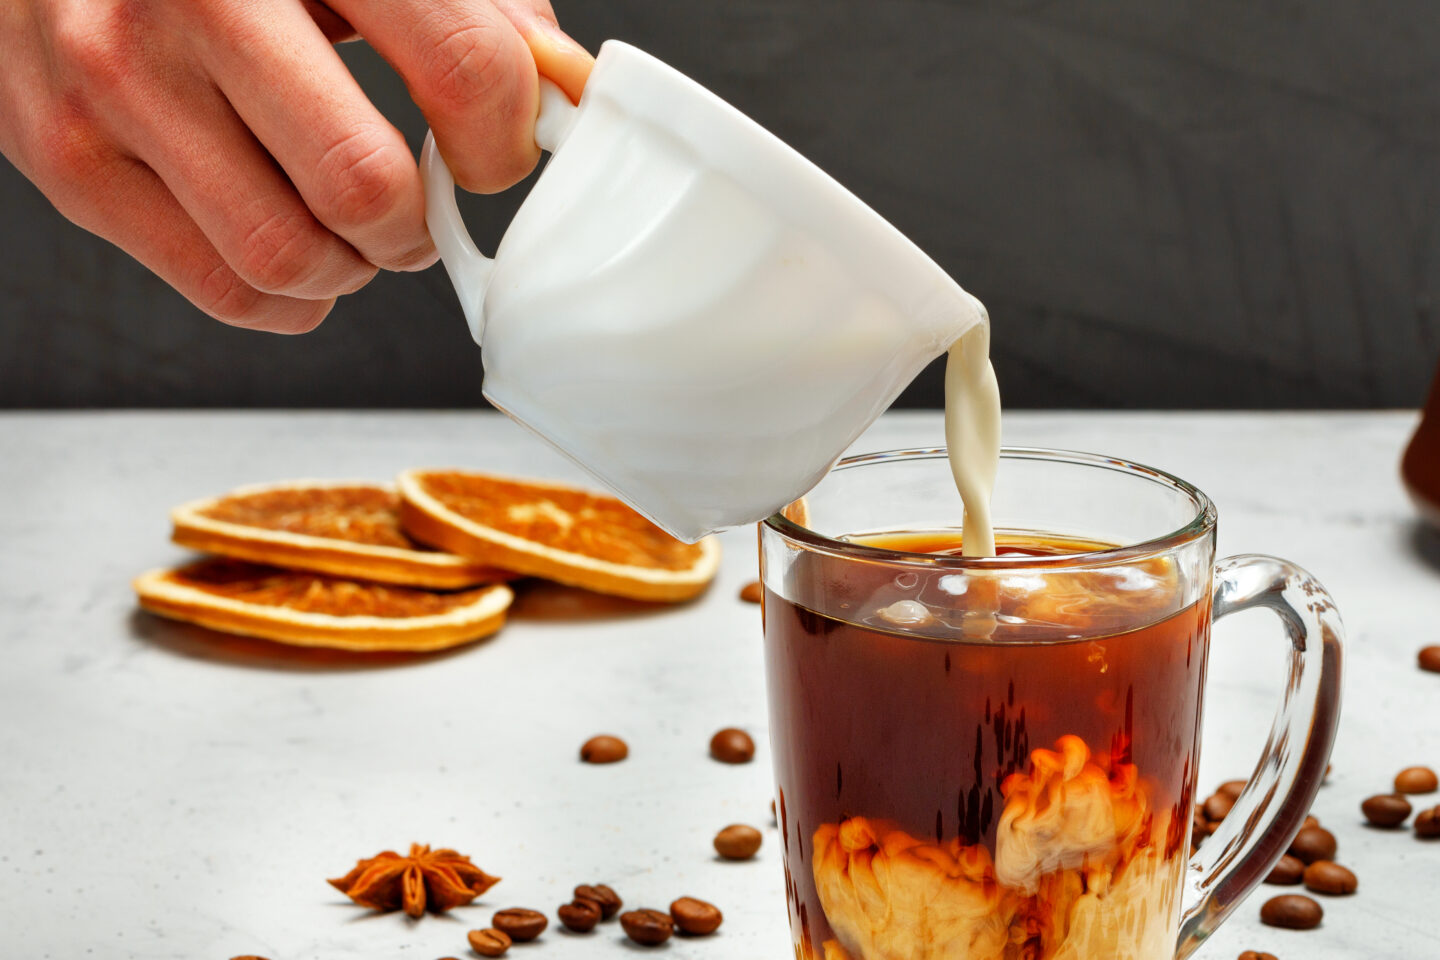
434	879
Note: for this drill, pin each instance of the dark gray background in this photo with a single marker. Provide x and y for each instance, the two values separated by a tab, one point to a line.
1229	203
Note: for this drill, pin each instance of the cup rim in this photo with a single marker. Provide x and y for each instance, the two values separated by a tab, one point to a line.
1201	525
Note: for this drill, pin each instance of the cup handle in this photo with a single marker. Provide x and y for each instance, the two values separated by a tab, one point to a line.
1273	805
470	269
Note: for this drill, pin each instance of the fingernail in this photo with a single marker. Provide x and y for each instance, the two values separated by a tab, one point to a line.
560	40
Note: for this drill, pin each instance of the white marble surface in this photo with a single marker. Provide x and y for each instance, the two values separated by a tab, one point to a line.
168	794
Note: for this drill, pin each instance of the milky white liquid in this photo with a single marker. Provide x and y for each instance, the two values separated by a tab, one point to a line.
972	434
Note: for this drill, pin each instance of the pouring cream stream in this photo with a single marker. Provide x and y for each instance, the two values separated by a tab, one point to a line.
972	433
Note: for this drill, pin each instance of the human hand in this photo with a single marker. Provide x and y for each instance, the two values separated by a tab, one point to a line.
224	144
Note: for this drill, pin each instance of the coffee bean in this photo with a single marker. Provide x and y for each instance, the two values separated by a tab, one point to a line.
1416	780
732	746
1386	809
1430	659
1328	877
1309	821
1427	823
773	818
488	942
520	924
648	928
604	749
1287	871
1256	955
1231	788
1313	843
738	842
1291	911
1217	806
752	592
695	917
602	896
580	916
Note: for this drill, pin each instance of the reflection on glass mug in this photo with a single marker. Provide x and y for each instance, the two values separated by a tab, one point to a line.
996	757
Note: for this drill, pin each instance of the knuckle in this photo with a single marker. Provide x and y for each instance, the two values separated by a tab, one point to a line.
276	255
365	180
70	149
465	67
97	48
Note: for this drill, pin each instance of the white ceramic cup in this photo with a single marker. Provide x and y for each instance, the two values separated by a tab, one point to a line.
685	306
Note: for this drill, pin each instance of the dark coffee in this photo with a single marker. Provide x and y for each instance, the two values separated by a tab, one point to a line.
988	766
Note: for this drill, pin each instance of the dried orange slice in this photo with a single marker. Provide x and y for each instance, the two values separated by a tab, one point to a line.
314	610
552	530
344	528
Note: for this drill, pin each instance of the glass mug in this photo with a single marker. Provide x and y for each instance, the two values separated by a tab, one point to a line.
996	757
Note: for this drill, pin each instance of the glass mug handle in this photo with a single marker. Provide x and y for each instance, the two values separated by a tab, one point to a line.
1270	810
469	269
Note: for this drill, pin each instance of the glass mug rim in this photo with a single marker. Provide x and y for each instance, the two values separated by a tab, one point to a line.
1199	526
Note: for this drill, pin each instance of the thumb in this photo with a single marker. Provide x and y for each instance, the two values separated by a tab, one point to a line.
558	57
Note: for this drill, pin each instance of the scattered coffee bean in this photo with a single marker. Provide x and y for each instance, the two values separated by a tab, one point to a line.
604	749
752	592
1309	821
1291	911
648	928
580	916
1427	824
1256	955
1430	659
1328	877
1386	809
602	896
773	817
1287	872
1217	806
1231	788
489	942
732	746
738	842
520	924
1416	780
695	917
1313	843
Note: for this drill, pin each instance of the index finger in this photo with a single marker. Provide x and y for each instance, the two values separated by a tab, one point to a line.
349	164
